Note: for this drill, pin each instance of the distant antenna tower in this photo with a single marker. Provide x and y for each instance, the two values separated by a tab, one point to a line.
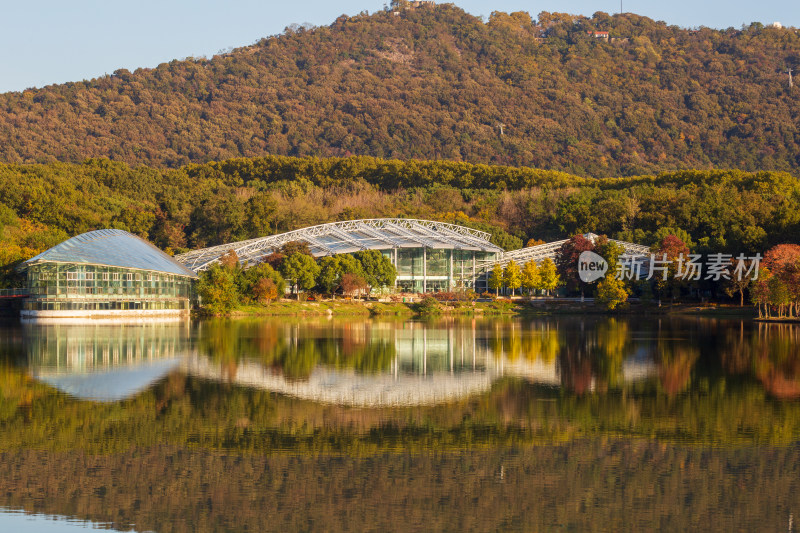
791	82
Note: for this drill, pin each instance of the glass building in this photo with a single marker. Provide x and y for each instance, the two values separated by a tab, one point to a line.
105	273
429	256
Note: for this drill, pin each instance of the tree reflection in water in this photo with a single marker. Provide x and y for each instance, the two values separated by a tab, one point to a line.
697	378
770	352
634	424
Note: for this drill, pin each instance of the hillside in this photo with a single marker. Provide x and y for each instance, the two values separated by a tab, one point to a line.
438	83
213	203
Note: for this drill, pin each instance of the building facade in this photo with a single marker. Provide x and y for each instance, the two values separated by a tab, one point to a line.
429	256
105	273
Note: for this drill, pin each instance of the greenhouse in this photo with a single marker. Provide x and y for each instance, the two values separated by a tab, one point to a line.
429	256
105	273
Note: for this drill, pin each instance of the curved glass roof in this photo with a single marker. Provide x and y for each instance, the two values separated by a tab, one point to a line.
111	247
352	236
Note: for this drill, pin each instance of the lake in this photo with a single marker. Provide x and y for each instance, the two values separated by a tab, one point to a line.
320	424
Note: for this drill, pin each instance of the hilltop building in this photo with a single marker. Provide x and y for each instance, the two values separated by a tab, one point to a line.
599	34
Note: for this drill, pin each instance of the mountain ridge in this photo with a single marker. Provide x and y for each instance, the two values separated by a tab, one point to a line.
438	83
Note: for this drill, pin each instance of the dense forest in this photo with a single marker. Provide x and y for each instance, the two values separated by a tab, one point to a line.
437	83
213	203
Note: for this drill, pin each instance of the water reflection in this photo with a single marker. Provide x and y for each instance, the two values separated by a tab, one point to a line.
21	522
105	362
770	351
528	425
377	364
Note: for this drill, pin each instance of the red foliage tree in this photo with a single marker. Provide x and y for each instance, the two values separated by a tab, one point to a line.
567	261
783	261
673	248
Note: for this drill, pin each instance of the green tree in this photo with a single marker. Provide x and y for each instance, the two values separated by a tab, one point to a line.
512	276
218	289
610	251
333	268
377	269
330	274
301	271
254	282
259	210
670	248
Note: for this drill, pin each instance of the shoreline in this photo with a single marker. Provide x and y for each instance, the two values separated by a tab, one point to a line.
500	307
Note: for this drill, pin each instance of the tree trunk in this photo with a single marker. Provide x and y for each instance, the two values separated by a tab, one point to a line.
741	298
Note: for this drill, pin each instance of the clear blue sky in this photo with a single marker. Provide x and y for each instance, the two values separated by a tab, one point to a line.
53	41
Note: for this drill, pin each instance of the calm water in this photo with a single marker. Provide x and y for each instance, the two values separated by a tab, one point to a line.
562	424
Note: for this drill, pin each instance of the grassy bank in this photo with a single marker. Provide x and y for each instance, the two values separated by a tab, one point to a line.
572	307
372	308
500	307
329	307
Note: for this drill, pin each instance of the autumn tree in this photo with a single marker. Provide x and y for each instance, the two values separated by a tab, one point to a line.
512	276
549	276
783	263
353	284
229	260
611	293
495	279
567	261
531	277
265	290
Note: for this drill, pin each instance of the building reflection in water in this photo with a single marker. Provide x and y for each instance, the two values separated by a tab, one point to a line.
364	364
105	362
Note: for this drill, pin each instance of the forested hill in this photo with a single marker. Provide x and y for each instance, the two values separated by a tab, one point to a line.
438	83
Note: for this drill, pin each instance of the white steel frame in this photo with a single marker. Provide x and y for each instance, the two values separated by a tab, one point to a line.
542	251
390	233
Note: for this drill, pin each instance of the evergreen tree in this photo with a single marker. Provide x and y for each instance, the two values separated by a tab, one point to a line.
301	271
376	269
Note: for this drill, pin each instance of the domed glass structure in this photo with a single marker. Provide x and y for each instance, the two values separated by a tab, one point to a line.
105	273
